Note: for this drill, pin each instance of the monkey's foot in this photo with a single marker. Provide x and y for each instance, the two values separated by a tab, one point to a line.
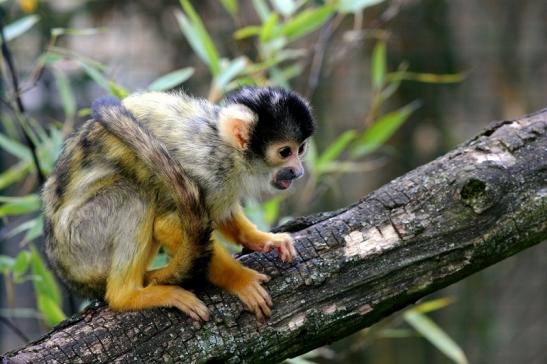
188	303
255	298
281	242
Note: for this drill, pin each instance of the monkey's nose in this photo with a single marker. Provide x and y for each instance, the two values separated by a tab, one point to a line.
295	173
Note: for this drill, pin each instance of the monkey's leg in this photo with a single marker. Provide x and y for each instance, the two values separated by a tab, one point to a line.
168	233
242	231
132	254
227	273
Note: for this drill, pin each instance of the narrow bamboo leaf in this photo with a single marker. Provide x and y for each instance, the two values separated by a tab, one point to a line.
432	305
95	74
213	59
261	9
285	7
378	66
19	205
20	228
15	174
117	90
307	21
335	149
231	6
171	79
389	90
20	26
382	130
21	265
6	264
354	6
247	32
235	67
15	148
427	77
50	310
45	285
76	31
36	229
435	335
66	94
267	30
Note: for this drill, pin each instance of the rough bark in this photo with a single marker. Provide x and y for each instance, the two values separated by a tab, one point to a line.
439	223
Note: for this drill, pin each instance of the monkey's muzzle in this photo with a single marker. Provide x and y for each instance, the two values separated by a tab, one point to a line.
284	177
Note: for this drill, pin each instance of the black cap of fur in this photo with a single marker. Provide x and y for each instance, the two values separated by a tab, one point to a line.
282	115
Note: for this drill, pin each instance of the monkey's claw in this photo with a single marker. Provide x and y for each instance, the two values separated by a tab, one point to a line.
255	298
284	245
188	303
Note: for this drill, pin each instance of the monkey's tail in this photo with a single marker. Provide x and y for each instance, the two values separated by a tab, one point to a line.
187	194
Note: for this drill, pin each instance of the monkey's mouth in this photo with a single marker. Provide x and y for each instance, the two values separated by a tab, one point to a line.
281	184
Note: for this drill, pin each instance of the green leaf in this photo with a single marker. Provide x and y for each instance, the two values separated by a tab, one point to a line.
354	6
21	264
212	58
15	173
335	149
247	32
55	32
19	205
234	68
231	6
117	90
427	77
20	26
36	229
432	305
95	74
307	21
378	66
285	7
50	310
261	9
267	30
382	130
20	228
435	335
66	94
6	264
45	285
171	79
271	209
15	148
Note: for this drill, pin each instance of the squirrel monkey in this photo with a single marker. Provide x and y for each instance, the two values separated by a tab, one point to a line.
167	169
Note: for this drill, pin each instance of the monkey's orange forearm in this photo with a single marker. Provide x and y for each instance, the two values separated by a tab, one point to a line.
241	230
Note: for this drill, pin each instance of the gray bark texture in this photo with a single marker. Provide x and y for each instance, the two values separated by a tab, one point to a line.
439	223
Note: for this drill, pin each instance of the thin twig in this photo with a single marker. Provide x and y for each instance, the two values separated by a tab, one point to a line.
15	329
15	84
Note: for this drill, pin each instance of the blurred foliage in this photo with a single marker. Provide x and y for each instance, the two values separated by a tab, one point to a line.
277	62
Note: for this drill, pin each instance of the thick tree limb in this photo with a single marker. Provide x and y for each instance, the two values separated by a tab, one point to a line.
477	205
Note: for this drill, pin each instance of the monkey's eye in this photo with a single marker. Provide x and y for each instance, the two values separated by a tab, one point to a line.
302	149
285	152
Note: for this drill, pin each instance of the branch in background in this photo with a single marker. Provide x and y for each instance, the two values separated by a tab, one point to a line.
20	334
439	223
6	54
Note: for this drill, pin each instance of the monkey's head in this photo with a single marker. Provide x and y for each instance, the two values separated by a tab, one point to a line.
270	126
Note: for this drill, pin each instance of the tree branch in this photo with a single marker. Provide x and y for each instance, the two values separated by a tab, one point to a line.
439	223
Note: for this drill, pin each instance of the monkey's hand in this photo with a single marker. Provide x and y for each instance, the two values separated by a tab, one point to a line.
255	298
281	242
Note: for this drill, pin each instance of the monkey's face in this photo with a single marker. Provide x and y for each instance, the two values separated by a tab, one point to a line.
286	161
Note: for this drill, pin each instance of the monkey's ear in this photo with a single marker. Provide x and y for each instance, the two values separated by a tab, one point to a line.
235	124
